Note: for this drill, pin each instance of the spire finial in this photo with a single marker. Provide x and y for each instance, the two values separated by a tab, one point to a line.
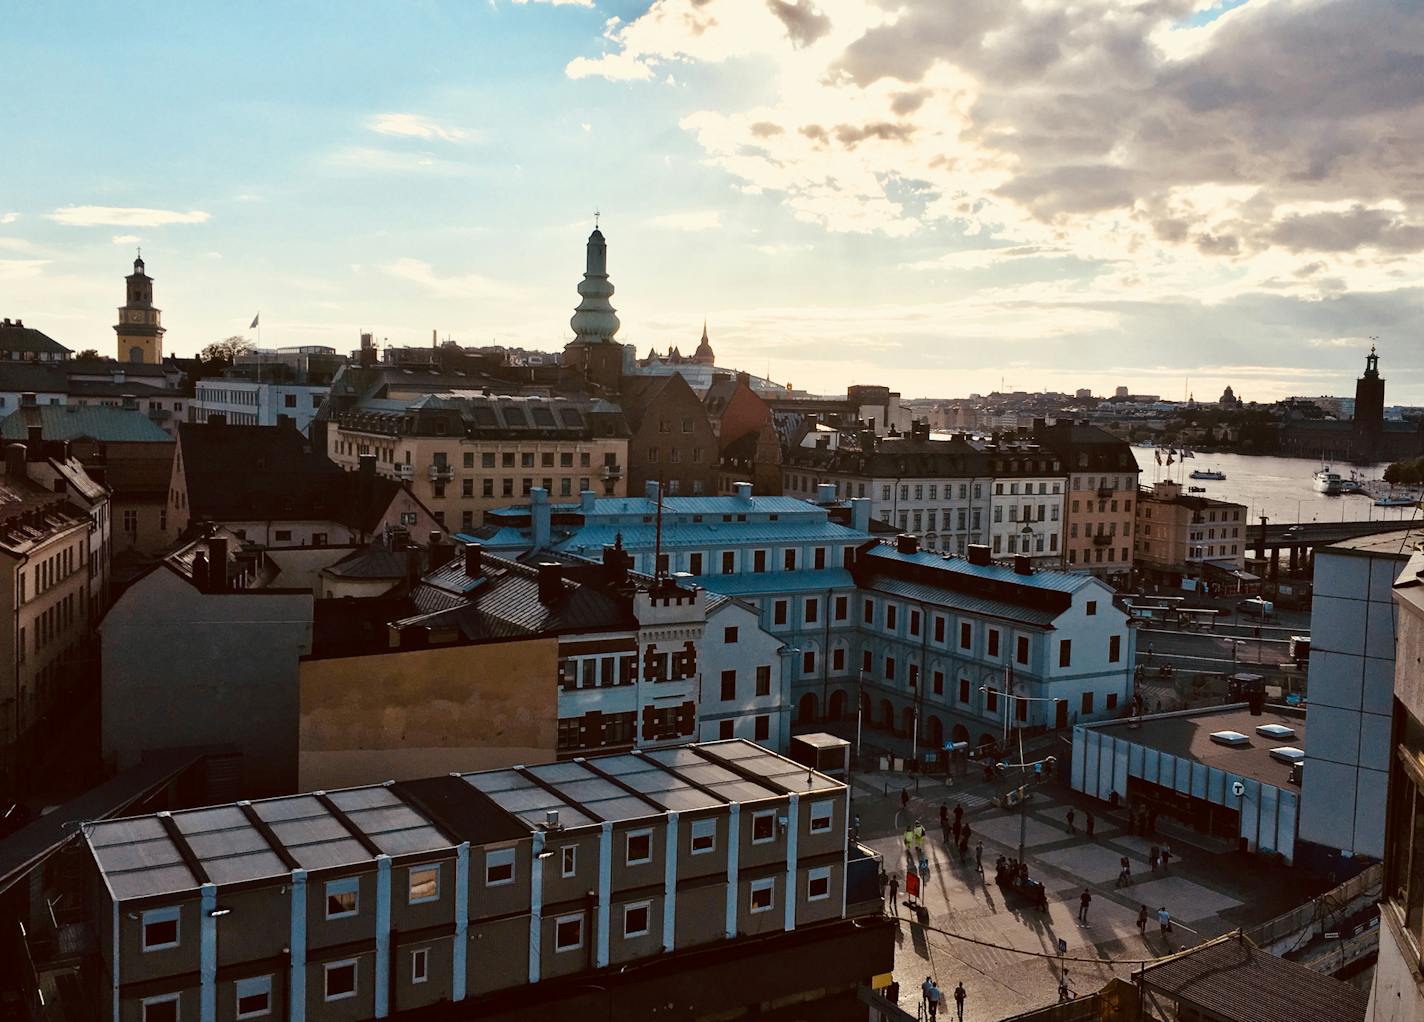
595	219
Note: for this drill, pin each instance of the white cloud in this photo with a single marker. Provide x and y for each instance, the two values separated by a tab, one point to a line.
125	216
416	126
702	220
21	269
126	239
459	285
9	218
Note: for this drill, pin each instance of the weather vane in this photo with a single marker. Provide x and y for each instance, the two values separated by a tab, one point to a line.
595	219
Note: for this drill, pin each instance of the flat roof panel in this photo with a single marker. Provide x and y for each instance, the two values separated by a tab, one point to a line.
624	764
623	807
1189	735
143	828
742	791
590	790
527	800
301	832
654	781
226	842
395	817
707	773
686	799
676	757
499	780
370	797
217	818
236	868
330	853
143	883
414	839
138	855
292	808
558	773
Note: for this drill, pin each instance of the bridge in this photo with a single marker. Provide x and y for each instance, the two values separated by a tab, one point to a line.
1301	538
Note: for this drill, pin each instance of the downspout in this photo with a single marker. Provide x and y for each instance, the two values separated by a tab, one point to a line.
826	659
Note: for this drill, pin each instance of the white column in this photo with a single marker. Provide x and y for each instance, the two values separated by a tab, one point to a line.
461	946
208	954
734	817
793	810
605	893
297	983
536	902
383	936
670	852
845	849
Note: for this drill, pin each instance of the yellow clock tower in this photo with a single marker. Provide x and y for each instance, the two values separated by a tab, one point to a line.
140	326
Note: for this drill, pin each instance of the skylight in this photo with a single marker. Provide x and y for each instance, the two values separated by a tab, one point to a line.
1288	754
1230	738
1279	731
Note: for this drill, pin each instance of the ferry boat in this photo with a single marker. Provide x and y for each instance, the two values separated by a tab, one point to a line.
1330	483
1397	500
1208	473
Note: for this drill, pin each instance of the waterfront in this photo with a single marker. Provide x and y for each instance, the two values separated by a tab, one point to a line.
1283	489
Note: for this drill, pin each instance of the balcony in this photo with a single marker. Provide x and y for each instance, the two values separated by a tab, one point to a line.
1104	492
442	473
1103	539
404	472
611	472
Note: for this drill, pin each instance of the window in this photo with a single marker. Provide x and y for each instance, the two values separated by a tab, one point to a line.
424	884
890	617
729	562
842	606
821	815
724	730
818	883
1092	607
778	612
838	659
790	560
568	860
966	635
694	564
763	894
729	635
1021	655
763	680
254	997
568	933
1112	701
763	827
813	609
1114	648
939	683
808	662
1065	652
635	919
914	622
285	535
761	728
758	560
938	629
640	847
161	1009
499	867
869	616
1087	703
420	965
160	929
704	834
340	980
964	691
889	668
342	897
729	686
993	642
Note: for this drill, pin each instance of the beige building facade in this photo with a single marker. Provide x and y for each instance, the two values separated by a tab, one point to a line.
1179	536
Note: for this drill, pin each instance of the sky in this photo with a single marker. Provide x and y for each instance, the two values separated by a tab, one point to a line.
943	196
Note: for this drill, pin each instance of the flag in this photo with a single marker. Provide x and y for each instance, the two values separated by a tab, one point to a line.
1169	457
254	321
1158	452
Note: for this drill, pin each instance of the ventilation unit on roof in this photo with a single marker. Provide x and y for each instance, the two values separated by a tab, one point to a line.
1279	731
1229	738
1288	754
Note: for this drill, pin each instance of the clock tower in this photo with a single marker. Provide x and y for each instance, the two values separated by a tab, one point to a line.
140	326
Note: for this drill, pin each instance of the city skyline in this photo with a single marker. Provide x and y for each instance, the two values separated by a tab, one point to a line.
1046	199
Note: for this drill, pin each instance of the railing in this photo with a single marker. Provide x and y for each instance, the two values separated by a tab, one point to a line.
405	471
442	472
611	471
1104	492
1103	539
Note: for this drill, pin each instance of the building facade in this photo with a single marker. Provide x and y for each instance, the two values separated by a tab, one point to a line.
1102	490
1027	503
1181	536
253	403
671	441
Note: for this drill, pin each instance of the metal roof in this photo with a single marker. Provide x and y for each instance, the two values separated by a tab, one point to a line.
707	535
964	603
1054	581
97	422
757	582
728	505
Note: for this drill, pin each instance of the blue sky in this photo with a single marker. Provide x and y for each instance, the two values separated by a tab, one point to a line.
934	195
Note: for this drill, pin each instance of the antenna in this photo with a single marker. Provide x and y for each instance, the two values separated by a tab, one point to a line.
595	218
658	536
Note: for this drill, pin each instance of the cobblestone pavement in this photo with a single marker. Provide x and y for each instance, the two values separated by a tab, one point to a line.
1207	893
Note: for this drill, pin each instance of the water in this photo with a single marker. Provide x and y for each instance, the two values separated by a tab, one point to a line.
1283	489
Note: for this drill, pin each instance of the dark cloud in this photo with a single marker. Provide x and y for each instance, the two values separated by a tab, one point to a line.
1073	189
1348	230
851	135
765	129
908	102
815	133
1218	244
804	24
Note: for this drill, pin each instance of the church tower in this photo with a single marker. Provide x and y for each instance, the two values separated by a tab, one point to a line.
1369	408
140	326
593	355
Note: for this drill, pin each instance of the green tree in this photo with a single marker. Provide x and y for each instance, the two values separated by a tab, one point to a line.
88	354
226	350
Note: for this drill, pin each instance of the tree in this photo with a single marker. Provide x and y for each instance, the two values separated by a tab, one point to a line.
88	354
226	350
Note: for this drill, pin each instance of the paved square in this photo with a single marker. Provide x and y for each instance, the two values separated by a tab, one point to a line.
1005	830
1095	862
1184	899
1143	846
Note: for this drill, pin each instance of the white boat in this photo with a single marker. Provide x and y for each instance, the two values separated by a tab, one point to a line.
1329	483
1208	473
1396	500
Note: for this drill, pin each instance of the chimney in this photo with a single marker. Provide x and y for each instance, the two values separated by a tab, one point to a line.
441	552
473	551
650	489
368	351
399	540
34	443
15	462
614	564
540	517
412	565
907	543
551	584
217	419
1023	564
366	464
978	554
743	491
586	499
200	571
825	493
217	564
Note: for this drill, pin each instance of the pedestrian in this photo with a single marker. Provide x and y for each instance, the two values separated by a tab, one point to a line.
979	857
958	812
1124	873
944	830
895	893
909	841
1088	822
1063	988
1166	856
920	839
1142	920
1164	920
935	995
1072	827
959	1001
925	988
1154	857
1084	900
943	814
904	798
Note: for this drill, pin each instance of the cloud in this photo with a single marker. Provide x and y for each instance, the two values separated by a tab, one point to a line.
415	126
21	269
125	216
804	24
703	220
458	286
126	239
9	218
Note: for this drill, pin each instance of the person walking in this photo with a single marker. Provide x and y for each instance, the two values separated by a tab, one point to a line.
979	857
904	798
1072	827
1124	873
959	1001
919	839
1088	823
1142	920
944	822
909	842
1084	900
958	812
1166	856
925	988
935	996
1154	856
895	893
1164	920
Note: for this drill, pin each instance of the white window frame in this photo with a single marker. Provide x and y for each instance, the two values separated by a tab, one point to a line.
767	884
326	971
825	810
499	857
628	859
702	829
764	814
161	915
251	987
819	873
162	999
425	867
646	906
575	917
568	861
420	957
342	885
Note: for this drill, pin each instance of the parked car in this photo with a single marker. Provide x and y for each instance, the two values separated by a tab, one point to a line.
1257	606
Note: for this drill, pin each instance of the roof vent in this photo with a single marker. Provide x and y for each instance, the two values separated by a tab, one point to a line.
1023	564
979	554
1277	731
907	543
1288	754
1233	738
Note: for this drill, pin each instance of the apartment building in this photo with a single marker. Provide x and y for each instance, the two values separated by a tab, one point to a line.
671	440
1183	536
1102	489
939	490
253	403
1026	507
465	453
966	650
371	901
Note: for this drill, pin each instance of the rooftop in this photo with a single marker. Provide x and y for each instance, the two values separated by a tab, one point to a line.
171	854
15	336
1188	735
1398	545
73	422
